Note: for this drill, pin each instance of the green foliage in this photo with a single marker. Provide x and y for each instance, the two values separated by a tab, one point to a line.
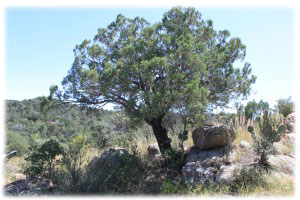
70	179
228	147
43	160
183	137
15	141
247	180
253	108
285	106
121	176
187	65
170	188
175	159
270	132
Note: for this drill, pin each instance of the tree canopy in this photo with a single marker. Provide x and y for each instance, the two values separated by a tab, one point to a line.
180	63
253	108
285	106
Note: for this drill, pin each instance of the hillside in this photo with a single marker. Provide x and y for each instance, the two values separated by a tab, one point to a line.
29	125
89	136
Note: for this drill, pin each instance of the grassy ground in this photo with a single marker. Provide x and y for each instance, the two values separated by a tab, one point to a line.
158	180
13	169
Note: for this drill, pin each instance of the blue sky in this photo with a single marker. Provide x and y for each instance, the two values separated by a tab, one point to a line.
40	43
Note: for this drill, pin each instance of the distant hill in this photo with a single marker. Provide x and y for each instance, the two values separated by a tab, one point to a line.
27	123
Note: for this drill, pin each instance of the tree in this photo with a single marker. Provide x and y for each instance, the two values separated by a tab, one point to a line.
285	106
263	106
180	63
253	108
43	160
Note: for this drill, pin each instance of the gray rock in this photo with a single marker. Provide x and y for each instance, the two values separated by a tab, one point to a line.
226	174
288	139
282	163
289	121
207	137
108	158
11	154
153	150
29	187
245	145
279	148
201	155
201	166
204	175
213	166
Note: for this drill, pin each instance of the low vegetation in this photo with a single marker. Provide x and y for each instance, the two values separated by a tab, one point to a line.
68	162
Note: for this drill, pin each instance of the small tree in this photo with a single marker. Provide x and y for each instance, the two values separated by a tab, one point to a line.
285	106
253	108
73	159
180	62
43	159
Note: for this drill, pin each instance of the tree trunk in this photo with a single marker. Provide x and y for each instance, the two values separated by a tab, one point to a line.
161	135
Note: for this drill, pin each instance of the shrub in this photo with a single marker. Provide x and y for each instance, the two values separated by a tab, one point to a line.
247	180
285	106
73	161
16	142
170	188
42	160
121	176
174	159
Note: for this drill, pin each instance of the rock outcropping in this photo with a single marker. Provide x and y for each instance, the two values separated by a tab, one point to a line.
29	187
209	166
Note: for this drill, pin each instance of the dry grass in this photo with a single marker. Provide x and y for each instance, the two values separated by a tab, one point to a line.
13	169
277	185
242	134
142	145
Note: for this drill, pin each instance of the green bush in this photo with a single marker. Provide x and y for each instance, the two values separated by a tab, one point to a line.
73	161
285	106
247	180
174	159
42	160
170	188
17	142
121	176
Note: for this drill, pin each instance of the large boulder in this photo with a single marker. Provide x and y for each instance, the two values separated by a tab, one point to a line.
209	166
215	166
201	166
207	137
289	121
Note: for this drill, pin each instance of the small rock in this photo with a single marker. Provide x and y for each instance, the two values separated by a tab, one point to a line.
153	150
289	121
245	145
